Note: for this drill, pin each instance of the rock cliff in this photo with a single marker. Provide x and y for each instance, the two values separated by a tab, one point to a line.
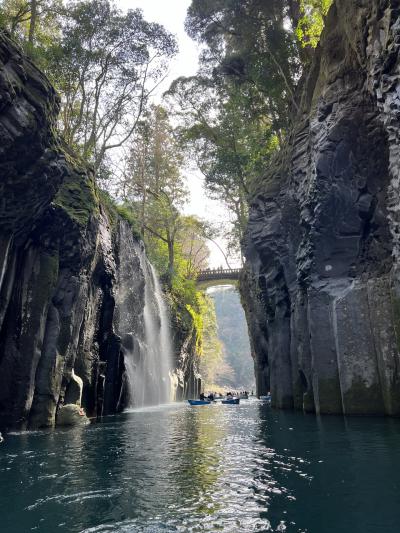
321	287
61	249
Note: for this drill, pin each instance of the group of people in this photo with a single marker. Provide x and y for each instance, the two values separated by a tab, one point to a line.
215	395
208	397
243	393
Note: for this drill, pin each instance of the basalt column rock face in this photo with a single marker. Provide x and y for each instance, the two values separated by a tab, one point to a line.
61	251
322	285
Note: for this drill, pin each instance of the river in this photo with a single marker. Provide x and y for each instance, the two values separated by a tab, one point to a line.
216	468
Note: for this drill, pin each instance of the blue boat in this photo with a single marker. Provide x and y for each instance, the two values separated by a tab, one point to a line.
199	402
266	398
231	401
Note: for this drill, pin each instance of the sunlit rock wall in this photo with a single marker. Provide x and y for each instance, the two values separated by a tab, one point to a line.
322	245
60	254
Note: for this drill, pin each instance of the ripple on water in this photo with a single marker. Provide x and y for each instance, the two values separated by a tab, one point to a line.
188	470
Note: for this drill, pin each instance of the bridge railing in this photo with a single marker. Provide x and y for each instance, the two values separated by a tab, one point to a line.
219	273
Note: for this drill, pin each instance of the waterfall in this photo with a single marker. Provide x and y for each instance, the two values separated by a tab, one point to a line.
151	382
143	325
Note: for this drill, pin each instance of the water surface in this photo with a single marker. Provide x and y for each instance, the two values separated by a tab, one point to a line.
216	468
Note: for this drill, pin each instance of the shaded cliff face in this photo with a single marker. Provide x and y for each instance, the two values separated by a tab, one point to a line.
321	287
60	256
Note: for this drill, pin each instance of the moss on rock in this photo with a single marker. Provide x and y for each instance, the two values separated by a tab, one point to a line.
78	197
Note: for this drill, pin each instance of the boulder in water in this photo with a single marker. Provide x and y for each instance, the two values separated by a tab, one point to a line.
72	415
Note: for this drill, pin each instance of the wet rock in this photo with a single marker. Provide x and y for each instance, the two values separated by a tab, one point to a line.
72	415
321	288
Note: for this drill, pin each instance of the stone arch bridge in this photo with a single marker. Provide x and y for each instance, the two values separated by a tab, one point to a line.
218	274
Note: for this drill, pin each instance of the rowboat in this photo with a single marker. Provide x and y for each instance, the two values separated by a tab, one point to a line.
199	402
231	401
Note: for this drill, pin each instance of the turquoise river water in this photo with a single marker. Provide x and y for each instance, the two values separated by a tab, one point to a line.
216	468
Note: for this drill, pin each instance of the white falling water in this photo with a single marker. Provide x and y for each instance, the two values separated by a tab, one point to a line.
150	379
145	333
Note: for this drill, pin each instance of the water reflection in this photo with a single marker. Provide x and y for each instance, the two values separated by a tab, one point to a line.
218	468
197	458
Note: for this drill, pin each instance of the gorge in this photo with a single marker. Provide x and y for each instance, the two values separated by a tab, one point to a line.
80	301
113	311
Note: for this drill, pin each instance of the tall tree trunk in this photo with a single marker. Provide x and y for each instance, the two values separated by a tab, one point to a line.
144	196
32	22
171	257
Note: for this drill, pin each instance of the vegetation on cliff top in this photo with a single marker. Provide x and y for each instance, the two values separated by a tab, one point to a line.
232	117
234	114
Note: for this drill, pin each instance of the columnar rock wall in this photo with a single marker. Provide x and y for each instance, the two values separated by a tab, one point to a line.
321	287
60	255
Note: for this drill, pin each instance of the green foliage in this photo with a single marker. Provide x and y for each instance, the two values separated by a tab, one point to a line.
249	46
117	211
312	22
154	184
103	62
232	331
208	345
235	113
153	188
105	66
35	24
212	357
127	213
198	322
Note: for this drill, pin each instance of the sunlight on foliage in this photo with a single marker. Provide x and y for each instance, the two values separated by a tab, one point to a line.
312	22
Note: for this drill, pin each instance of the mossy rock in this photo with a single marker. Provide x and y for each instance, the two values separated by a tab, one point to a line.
78	197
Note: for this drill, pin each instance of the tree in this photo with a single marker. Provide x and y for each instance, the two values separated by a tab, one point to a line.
249	43
34	23
213	363
105	67
229	142
194	250
154	183
234	114
311	21
104	63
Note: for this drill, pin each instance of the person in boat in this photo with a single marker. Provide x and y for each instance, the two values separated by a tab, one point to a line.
211	397
202	397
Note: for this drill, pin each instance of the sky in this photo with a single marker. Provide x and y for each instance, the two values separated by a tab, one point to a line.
171	14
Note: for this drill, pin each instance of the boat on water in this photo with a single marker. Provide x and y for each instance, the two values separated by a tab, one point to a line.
199	402
266	398
231	401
